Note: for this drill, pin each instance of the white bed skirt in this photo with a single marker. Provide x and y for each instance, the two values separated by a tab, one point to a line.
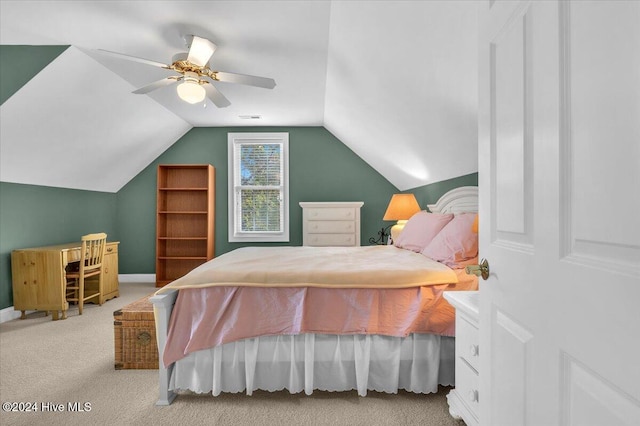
305	362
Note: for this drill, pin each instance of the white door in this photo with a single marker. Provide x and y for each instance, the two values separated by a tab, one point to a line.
559	177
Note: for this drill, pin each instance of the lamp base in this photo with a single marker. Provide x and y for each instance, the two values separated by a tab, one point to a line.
397	229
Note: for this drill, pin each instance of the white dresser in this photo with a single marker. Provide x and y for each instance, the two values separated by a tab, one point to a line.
464	400
331	223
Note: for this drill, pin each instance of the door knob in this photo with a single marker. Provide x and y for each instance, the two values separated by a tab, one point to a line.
481	270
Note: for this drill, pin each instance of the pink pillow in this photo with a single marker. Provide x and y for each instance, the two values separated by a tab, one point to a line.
455	243
420	230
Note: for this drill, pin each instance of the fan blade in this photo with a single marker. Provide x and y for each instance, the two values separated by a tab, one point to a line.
267	83
135	59
200	51
216	97
156	85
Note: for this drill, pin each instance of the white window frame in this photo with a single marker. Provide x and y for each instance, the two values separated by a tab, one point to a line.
234	141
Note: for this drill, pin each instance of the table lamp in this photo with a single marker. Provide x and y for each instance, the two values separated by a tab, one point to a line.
401	208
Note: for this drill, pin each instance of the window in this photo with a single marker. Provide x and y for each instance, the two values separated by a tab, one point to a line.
258	187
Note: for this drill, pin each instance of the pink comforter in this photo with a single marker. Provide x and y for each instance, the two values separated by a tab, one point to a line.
206	317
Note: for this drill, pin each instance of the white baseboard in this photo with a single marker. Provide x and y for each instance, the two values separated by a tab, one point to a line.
8	314
136	278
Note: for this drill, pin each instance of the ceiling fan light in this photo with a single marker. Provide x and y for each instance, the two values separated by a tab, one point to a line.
191	91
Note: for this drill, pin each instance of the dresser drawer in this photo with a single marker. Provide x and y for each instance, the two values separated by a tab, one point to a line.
467	342
331	227
330	213
468	385
331	239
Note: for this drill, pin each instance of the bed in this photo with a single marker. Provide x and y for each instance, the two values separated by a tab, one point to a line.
364	318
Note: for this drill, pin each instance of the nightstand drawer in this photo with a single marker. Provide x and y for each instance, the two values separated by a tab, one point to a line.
331	213
464	400
468	385
331	239
331	227
467	342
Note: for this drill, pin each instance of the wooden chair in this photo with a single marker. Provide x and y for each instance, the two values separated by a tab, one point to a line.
91	256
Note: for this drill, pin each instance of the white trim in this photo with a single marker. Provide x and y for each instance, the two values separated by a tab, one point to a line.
8	314
237	138
136	278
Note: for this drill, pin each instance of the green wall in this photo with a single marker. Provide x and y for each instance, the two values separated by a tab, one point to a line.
429	194
19	64
321	168
33	216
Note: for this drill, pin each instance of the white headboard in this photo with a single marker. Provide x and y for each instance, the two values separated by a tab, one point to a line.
458	200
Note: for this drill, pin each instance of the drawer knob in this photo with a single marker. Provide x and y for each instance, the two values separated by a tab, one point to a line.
473	395
474	350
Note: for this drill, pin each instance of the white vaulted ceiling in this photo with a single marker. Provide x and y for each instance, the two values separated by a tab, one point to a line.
395	81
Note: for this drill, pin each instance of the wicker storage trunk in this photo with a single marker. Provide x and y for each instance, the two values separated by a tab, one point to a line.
135	336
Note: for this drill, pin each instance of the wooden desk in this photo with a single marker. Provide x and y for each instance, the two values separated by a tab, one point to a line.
38	277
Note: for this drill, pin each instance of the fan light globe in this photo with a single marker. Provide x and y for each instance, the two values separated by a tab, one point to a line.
191	91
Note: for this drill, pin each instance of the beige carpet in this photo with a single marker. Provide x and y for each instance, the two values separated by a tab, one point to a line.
71	361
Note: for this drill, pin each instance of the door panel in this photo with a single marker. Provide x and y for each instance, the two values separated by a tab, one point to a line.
510	367
508	78
589	399
601	70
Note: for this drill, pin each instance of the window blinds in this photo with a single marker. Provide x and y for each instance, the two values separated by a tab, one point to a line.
259	175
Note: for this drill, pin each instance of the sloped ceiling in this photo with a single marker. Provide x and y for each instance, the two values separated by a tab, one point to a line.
395	81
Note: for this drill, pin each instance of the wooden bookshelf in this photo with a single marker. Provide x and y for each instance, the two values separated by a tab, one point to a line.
185	220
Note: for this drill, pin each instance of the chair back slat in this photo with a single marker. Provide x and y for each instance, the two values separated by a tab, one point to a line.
93	248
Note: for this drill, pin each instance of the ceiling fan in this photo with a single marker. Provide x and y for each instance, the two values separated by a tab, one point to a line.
196	76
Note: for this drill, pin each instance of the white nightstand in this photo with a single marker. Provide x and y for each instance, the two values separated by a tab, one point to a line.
464	400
